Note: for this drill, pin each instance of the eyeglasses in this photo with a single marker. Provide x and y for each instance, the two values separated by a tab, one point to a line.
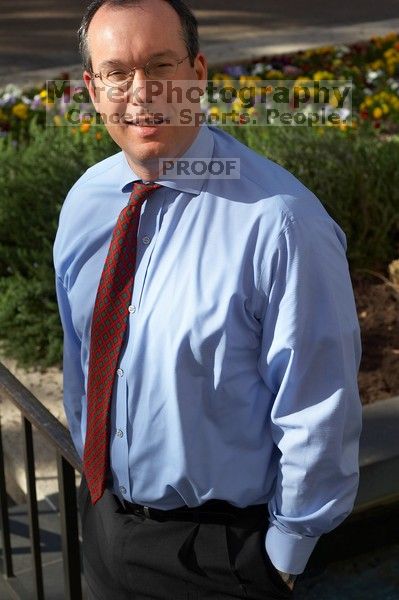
154	69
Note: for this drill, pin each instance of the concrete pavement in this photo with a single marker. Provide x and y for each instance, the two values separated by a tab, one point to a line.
38	37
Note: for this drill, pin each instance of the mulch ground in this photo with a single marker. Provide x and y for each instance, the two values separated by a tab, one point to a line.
378	311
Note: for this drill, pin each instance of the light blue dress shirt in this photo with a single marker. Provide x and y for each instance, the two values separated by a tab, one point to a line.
238	378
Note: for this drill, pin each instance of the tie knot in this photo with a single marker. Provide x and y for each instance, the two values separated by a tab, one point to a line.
141	190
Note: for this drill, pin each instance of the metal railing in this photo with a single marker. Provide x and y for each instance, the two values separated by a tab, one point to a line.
35	414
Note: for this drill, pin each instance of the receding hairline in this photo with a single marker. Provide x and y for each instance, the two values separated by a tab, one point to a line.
132	5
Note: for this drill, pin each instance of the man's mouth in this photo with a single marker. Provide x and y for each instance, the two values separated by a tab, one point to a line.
146	121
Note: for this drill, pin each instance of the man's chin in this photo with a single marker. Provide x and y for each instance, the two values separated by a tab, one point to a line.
146	153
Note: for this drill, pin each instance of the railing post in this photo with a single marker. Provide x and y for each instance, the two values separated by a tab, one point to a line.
69	529
35	414
32	508
4	519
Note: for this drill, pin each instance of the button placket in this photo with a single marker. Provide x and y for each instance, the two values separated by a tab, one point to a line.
149	217
119	446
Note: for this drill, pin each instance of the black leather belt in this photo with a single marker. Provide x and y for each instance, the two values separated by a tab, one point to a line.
213	511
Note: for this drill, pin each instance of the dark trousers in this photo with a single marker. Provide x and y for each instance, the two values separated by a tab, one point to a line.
133	557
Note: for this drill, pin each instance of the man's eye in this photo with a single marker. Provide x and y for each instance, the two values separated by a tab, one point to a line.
117	75
161	69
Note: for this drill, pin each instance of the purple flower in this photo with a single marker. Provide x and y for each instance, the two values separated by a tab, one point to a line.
234	70
7	99
291	71
36	102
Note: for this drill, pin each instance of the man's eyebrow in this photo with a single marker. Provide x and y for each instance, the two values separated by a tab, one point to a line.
110	63
163	53
118	63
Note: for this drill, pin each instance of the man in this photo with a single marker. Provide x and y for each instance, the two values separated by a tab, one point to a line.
211	344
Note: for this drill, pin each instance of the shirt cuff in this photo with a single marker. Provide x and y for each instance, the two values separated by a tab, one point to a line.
289	552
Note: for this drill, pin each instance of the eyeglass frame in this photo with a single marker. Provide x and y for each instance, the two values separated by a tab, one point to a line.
133	71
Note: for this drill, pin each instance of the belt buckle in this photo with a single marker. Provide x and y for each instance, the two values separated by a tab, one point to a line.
146	511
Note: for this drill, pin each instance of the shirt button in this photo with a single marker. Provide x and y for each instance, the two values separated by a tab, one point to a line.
146	240
132	309
120	372
119	433
122	489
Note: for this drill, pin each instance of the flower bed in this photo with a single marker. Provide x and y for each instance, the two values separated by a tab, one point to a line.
372	66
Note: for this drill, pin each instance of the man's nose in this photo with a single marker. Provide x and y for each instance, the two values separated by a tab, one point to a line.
140	88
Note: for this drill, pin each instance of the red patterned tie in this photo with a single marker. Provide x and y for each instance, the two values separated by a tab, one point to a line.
110	317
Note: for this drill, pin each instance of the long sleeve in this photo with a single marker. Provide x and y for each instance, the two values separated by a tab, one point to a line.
309	360
74	386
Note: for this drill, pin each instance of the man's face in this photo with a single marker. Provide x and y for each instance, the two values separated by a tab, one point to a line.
130	37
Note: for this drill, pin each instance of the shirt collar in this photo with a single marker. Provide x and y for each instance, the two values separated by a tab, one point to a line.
201	148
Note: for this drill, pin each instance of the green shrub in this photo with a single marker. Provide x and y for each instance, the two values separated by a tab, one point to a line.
355	176
34	181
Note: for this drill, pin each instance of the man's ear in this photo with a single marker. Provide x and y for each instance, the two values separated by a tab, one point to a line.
201	67
88	79
201	71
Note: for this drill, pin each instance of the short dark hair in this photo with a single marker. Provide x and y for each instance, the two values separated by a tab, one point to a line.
189	26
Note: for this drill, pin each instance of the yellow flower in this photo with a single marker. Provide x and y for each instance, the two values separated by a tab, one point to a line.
390	37
46	100
223	79
300	80
324	49
57	120
333	102
322	75
377	113
214	112
237	105
274	74
249	80
99	135
377	65
84	128
298	87
218	78
20	111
